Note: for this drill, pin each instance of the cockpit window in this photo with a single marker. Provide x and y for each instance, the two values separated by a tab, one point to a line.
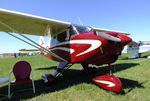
77	29
62	36
83	29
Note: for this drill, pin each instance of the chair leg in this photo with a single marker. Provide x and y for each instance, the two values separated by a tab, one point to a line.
33	86
9	96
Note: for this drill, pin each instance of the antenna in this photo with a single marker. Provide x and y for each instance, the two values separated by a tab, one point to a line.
79	20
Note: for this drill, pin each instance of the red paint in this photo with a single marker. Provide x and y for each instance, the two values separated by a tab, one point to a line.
106	53
82	47
109	82
124	39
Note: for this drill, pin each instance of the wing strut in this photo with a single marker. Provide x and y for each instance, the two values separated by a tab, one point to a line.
31	42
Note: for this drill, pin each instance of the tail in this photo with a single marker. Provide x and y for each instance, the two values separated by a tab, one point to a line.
42	42
47	45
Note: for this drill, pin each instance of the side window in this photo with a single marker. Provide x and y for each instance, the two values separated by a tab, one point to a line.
64	36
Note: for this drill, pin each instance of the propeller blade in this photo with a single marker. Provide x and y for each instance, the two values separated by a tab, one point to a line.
108	37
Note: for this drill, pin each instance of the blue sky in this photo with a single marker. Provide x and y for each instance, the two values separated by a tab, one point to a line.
124	15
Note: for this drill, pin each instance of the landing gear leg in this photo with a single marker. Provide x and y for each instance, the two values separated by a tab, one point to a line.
49	78
110	69
89	70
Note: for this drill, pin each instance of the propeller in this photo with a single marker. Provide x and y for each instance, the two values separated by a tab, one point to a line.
108	37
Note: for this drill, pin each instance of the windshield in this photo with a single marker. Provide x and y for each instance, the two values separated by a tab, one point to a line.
78	29
83	29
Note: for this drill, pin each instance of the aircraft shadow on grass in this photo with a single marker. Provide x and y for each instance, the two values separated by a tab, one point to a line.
46	68
73	77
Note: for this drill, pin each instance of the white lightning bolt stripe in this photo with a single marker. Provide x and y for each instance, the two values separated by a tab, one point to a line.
64	49
109	84
94	44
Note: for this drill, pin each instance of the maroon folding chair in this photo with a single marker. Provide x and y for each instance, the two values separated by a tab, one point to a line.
21	71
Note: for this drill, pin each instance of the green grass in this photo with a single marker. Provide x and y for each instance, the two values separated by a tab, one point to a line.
76	86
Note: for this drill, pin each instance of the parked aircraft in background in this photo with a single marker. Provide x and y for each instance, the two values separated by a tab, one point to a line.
136	49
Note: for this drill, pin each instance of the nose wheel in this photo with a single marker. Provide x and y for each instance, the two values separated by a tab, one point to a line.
108	81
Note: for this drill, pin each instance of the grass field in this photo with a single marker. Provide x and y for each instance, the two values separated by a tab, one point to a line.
76	86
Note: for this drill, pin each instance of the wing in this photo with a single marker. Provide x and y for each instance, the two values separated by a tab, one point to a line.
108	30
11	21
29	24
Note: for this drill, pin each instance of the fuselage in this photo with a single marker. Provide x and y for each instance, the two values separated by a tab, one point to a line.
90	48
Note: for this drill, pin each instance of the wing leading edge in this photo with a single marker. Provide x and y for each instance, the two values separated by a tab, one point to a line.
12	21
108	30
29	24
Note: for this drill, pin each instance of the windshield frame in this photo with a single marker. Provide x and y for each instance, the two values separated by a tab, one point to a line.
83	29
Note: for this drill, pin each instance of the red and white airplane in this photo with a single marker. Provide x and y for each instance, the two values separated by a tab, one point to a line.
70	44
